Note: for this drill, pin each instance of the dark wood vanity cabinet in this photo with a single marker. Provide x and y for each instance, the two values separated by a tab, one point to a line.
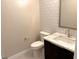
54	52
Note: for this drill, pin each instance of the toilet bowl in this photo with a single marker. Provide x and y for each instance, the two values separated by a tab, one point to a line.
38	45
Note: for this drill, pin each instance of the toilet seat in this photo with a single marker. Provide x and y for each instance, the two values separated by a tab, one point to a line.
37	45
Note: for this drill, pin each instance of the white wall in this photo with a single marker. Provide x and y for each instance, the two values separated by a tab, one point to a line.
19	22
49	15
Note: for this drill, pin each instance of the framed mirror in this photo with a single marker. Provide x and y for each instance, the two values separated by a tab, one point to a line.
68	14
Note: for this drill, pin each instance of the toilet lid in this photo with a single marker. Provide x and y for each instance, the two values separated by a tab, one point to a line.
37	44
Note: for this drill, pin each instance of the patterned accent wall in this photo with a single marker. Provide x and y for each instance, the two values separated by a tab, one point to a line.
49	15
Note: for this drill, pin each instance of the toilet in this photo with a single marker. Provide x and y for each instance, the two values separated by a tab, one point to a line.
37	46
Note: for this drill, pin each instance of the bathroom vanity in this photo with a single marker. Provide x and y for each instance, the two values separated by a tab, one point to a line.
56	48
58	45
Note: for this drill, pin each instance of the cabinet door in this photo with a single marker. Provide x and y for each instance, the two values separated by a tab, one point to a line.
51	51
54	52
65	54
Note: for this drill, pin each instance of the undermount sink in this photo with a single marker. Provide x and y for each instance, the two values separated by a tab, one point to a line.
62	40
70	40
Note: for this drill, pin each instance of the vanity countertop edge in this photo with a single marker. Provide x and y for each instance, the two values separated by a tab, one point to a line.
70	47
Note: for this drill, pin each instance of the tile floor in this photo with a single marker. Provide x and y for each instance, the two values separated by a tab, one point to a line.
27	54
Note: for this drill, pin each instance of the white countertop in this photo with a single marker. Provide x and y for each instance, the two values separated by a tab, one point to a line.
60	43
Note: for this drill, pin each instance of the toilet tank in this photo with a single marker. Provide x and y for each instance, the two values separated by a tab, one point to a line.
43	34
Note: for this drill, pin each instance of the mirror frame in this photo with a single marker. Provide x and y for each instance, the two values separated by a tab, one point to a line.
60	19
